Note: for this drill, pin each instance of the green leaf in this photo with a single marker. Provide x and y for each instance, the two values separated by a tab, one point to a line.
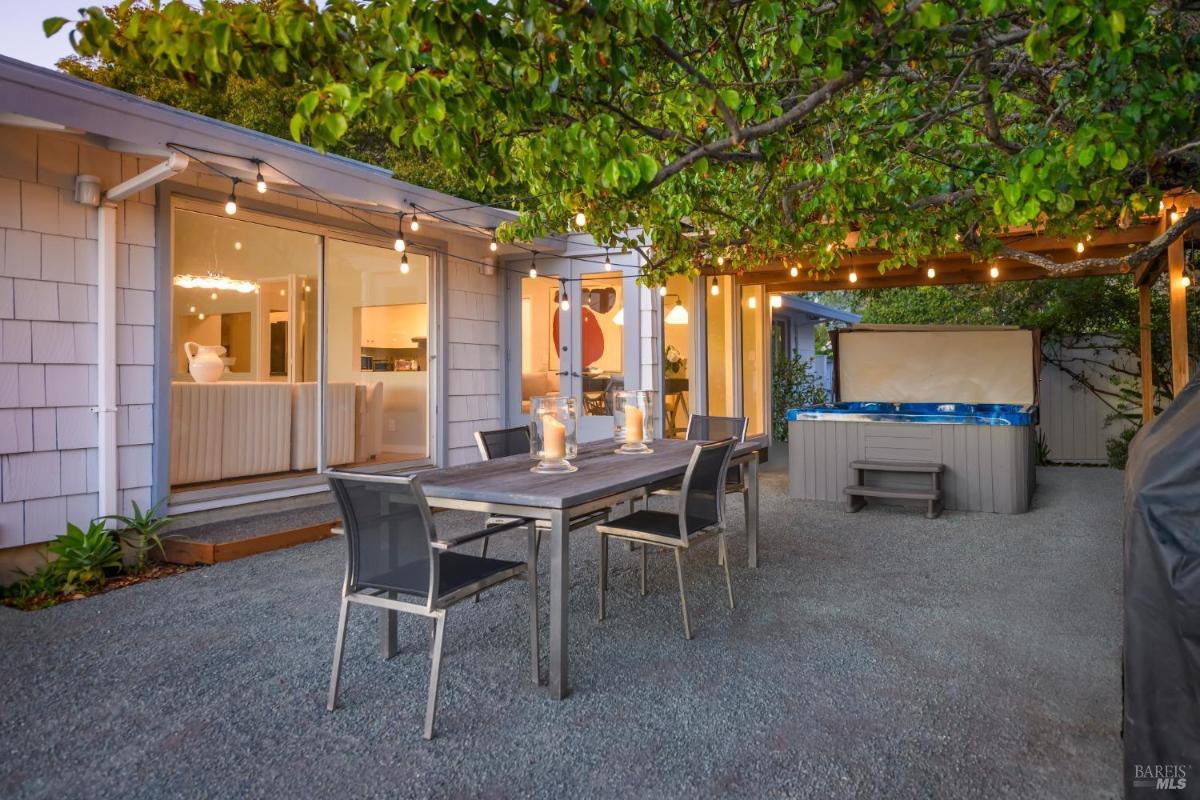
648	167
296	126
1119	161
1086	155
53	25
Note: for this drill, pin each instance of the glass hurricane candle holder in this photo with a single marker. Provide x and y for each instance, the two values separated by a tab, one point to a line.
633	420
552	434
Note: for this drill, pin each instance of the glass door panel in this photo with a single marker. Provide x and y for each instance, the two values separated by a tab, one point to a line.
677	346
720	350
600	335
540	339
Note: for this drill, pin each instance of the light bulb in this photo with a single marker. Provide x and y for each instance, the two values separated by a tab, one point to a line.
307	288
404	264
191	309
414	226
720	261
776	301
607	263
853	276
930	272
716	290
492	245
580	219
1162	206
231	206
212	296
994	272
237	245
1185	281
794	271
532	271
260	184
401	245
662	291
1174	217
829	247
283	292
565	305
1079	247
752	302
200	315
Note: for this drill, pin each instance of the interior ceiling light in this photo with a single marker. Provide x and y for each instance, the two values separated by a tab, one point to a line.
678	315
212	282
752	302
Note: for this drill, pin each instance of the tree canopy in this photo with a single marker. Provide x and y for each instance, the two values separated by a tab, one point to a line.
752	130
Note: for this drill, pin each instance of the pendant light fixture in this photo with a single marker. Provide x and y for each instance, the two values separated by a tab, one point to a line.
715	289
404	264
493	246
259	183
401	245
563	302
231	203
414	225
678	315
533	265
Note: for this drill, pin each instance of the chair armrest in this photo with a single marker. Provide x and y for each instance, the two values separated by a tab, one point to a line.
441	544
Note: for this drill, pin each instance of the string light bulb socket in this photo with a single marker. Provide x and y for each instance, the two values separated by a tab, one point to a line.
931	272
751	302
414	224
714	289
259	183
404	264
607	262
994	272
231	203
794	271
493	245
580	219
401	245
533	266
1079	247
564	302
853	276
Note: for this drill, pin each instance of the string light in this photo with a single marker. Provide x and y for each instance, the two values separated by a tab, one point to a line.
931	272
493	246
716	290
794	271
662	291
607	261
259	183
231	203
720	261
1174	217
580	219
191	309
404	264
564	303
853	276
212	296
1185	281
414	225
776	301
401	245
1079	247
200	316
533	266
994	272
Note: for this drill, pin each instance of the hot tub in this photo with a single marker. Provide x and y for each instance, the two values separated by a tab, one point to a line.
988	450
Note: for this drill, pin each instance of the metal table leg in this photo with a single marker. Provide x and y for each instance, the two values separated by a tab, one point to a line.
752	516
560	584
387	629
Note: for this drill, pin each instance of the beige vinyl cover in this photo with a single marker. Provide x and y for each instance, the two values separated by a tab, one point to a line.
910	364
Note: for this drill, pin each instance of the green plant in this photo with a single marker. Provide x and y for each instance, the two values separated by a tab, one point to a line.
39	589
85	557
794	384
1118	447
1043	448
141	531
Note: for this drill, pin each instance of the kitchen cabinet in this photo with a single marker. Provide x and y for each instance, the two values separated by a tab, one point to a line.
398	326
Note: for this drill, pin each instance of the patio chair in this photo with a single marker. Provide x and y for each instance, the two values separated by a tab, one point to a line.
397	563
706	428
700	516
515	441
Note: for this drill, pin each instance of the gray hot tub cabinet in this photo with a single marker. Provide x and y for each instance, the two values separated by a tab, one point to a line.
988	467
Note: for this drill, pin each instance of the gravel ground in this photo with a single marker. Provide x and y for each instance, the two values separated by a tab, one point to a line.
875	654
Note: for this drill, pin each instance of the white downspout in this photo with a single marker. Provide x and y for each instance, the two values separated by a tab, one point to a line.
106	323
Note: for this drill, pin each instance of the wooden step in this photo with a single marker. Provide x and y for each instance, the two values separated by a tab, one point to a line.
183	549
927	467
893	494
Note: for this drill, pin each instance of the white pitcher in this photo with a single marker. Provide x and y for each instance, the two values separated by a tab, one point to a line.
204	361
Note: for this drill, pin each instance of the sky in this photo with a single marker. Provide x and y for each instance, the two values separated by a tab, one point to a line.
21	34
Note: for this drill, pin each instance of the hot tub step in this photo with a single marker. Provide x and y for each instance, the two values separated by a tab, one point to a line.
893	494
899	466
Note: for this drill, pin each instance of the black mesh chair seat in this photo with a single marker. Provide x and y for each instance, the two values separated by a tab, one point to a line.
643	524
456	571
701	514
396	563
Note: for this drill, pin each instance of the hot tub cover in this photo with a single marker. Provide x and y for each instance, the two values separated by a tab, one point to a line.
1162	604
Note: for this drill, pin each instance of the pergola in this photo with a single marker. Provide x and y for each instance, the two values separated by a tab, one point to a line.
962	268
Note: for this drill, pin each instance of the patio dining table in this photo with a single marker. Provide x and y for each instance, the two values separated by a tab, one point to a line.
604	479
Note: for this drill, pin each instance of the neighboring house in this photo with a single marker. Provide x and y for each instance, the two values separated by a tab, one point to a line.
121	293
793	326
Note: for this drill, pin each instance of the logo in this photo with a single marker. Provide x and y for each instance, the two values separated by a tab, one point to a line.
1160	776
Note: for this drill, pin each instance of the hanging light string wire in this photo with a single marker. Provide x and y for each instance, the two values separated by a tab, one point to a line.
190	151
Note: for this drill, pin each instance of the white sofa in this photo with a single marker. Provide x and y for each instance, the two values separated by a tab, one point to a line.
234	429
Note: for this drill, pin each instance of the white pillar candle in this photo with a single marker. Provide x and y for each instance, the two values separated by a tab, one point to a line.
634	424
554	438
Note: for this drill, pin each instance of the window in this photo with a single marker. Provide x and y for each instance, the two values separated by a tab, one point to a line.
677	347
540	345
720	347
754	352
602	341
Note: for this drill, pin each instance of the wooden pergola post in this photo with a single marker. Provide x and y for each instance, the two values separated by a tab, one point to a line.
1179	332
1146	353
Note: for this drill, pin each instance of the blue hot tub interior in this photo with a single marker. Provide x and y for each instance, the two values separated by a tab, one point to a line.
928	413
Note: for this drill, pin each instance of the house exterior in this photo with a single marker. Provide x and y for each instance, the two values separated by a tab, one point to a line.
793	331
156	345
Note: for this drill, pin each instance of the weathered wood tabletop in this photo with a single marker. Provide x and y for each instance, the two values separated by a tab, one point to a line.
602	472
